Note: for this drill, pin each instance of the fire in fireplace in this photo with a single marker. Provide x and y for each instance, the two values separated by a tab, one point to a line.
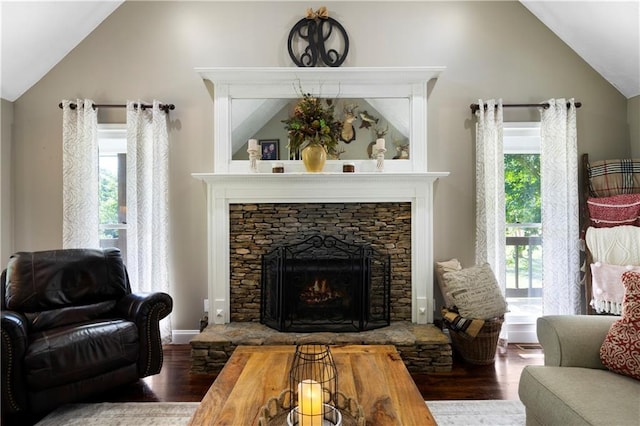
325	284
320	293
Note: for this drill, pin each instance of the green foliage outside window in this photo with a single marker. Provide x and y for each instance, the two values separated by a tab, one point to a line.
522	188
108	202
523	206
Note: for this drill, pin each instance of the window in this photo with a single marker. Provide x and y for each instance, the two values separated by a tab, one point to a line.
112	143
523	227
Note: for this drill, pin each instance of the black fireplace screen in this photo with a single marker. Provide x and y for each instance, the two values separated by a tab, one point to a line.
324	284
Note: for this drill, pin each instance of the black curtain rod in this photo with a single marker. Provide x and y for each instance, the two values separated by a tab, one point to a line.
164	107
476	107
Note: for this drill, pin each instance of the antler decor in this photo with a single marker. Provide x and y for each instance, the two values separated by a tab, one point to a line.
311	38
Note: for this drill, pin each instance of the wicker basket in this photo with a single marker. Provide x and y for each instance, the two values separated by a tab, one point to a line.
480	350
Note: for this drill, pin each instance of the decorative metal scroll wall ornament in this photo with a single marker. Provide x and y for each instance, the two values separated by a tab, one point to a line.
316	32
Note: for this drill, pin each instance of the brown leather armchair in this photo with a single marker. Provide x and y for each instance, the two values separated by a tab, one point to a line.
71	328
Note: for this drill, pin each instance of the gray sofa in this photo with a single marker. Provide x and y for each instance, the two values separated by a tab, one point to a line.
573	387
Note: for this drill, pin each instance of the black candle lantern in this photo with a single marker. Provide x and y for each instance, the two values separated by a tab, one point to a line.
313	386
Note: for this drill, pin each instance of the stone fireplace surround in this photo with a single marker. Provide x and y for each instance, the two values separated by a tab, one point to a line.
255	229
226	190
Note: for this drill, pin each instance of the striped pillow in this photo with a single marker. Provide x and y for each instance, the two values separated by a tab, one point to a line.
613	177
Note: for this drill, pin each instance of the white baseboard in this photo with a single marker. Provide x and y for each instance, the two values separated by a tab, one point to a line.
521	333
182	337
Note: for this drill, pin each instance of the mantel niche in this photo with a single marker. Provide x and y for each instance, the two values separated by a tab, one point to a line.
408	180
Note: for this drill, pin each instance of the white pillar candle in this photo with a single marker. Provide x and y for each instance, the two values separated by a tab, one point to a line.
253	144
310	403
380	143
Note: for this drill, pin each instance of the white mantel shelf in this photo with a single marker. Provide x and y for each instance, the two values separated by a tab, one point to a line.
224	189
243	77
319	187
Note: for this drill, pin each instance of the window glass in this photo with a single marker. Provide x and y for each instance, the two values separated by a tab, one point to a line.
112	142
523	227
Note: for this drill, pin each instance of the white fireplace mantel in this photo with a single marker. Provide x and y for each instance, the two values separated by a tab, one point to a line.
401	181
274	83
226	189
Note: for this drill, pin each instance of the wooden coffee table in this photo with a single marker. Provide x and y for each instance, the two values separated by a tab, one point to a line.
373	375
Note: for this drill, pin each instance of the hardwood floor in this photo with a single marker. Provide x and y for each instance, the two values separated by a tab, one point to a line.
176	384
467	381
497	381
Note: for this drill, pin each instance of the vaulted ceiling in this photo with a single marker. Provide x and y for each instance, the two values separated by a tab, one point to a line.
606	34
36	35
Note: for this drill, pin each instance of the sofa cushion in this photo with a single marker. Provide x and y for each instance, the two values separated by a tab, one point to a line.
620	351
39	281
73	353
578	396
54	318
573	340
475	292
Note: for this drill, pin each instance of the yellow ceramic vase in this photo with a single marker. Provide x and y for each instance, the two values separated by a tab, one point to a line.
314	156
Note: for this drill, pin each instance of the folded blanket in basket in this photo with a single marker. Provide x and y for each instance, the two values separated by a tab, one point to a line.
456	322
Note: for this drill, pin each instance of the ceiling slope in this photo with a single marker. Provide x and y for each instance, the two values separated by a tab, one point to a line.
606	34
36	35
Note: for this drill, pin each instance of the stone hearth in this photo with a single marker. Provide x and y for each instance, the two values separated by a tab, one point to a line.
424	348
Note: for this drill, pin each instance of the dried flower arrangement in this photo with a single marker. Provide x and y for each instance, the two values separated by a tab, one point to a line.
313	121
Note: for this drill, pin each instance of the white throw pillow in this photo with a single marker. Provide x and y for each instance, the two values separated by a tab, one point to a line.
441	268
475	292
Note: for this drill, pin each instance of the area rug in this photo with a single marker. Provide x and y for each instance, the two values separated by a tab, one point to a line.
446	413
122	414
467	413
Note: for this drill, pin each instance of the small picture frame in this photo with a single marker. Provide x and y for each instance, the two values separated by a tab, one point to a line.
270	149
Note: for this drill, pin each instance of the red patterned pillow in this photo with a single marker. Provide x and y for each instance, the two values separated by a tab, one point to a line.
616	210
620	351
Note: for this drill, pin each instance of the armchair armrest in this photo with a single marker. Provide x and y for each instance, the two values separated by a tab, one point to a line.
14	347
573	340
146	310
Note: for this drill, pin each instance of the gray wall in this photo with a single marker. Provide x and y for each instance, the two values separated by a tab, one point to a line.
633	117
6	190
148	50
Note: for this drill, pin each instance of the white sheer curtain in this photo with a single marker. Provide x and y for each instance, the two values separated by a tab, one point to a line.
147	201
560	227
490	209
80	214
